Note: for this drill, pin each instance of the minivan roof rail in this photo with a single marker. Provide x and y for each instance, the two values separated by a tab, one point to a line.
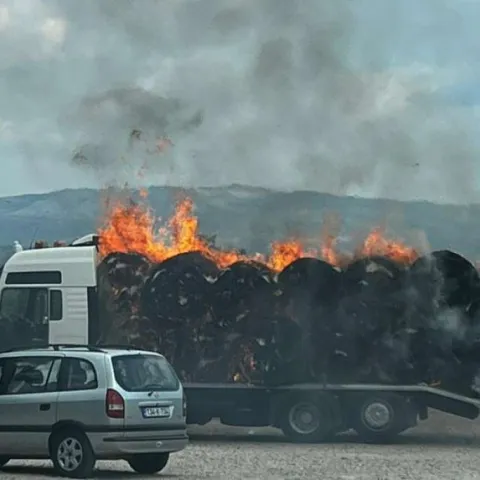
54	346
59	346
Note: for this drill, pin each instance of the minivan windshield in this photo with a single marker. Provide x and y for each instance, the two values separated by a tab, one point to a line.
136	373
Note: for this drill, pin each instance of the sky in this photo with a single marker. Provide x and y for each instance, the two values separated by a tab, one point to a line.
375	98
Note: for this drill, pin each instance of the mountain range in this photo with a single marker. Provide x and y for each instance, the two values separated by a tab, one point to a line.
251	217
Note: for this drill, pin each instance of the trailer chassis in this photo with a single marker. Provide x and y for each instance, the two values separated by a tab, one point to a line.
312	412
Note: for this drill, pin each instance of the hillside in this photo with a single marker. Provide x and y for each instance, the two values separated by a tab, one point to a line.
248	217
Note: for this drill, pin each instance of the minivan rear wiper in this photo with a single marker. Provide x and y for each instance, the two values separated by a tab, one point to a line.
152	387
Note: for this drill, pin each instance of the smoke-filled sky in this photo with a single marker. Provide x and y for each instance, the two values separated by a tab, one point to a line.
362	97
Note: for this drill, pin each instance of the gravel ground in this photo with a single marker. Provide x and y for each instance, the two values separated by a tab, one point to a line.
444	447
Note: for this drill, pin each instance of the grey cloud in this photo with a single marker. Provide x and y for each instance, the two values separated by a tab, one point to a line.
288	95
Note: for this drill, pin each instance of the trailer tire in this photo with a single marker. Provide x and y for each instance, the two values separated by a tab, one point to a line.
308	418
379	418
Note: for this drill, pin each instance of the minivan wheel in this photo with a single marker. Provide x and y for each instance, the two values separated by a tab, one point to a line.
148	463
72	454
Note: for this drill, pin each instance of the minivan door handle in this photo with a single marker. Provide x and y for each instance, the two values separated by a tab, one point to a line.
44	407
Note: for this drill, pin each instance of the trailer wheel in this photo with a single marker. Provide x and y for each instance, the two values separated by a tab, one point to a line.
380	418
308	418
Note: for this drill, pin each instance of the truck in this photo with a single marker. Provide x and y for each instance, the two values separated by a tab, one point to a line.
49	296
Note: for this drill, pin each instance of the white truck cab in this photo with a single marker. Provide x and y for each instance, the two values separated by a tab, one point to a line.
49	295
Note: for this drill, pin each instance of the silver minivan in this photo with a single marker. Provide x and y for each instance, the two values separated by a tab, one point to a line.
78	404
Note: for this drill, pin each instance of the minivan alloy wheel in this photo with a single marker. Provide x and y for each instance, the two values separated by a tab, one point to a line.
70	454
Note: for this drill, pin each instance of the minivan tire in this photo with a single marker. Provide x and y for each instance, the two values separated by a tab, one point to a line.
74	445
148	463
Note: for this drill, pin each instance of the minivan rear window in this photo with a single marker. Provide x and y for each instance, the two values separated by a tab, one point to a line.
137	373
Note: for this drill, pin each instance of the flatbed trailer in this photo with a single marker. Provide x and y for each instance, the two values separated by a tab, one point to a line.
315	412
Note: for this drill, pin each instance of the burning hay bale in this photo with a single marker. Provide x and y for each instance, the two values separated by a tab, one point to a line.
241	292
177	299
244	296
443	287
176	290
369	314
310	292
124	270
450	279
121	277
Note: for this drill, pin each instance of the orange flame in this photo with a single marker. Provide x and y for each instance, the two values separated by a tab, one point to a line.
376	244
130	227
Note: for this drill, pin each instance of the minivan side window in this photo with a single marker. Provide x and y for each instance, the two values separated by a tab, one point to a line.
31	375
52	382
79	374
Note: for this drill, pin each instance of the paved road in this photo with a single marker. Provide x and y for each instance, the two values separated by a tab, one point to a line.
442	448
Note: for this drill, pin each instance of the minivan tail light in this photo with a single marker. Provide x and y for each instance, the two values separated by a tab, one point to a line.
114	404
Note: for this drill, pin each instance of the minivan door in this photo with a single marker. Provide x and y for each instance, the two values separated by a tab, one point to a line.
152	393
81	397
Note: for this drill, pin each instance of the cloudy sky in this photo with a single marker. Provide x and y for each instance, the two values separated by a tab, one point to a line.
362	97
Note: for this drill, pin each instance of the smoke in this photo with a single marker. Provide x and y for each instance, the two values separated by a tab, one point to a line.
336	96
451	322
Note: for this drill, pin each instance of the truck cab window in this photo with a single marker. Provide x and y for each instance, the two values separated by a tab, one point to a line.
40	305
56	305
25	302
29	302
14	301
24	316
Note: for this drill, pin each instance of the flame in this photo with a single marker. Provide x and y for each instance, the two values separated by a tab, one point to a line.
377	244
131	227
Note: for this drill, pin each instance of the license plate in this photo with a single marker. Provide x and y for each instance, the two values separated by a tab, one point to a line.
156	412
